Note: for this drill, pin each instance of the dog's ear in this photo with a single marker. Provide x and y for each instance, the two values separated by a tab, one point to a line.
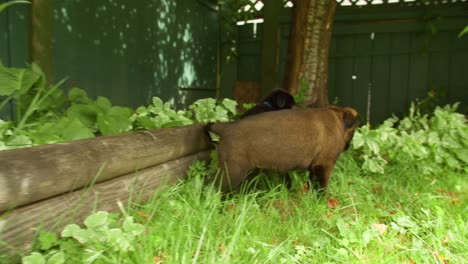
350	117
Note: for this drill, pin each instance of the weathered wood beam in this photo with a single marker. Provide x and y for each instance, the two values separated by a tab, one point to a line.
32	174
53	214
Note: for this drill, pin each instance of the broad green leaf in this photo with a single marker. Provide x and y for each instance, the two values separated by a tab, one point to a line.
16	80
230	105
47	240
462	154
20	141
368	236
374	165
77	95
103	104
119	239
116	120
69	230
57	258
46	131
158	103
451	161
248	106
142	110
55	101
34	258
406	221
145	122
97	219
87	114
321	242
132	228
90	256
74	129
343	228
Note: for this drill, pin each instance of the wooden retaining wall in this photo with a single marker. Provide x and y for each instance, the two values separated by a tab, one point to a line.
46	186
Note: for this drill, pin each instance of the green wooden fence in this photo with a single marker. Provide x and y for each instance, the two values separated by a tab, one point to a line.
382	57
128	51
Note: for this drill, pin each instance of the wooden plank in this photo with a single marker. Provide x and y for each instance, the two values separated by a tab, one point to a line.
418	67
398	100
32	174
344	70
53	214
269	74
363	73
380	79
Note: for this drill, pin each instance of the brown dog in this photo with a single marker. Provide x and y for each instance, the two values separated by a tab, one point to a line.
284	140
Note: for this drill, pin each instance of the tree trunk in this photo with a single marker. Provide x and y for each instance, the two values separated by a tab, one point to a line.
308	49
42	21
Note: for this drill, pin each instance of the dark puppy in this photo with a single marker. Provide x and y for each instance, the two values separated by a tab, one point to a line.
284	140
278	99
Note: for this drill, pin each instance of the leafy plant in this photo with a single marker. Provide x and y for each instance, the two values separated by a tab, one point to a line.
159	115
102	239
99	116
35	104
46	115
423	141
301	94
207	110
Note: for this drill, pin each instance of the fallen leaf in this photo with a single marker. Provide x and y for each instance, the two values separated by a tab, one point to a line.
382	228
143	214
398	204
333	203
446	240
440	257
158	259
222	247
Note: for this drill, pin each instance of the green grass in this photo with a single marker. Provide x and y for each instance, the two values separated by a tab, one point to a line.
421	220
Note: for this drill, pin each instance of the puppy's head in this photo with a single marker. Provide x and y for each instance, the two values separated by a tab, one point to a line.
279	99
349	118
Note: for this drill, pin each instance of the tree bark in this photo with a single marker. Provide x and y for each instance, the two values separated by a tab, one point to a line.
308	49
41	46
